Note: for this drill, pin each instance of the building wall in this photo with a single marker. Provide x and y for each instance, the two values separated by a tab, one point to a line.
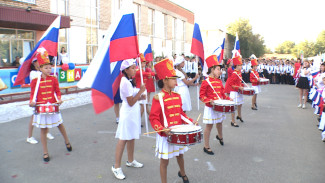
107	11
41	5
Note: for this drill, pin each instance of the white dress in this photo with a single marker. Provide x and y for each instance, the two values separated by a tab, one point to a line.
129	126
182	89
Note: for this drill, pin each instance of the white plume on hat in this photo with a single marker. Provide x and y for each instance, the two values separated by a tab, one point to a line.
179	60
127	63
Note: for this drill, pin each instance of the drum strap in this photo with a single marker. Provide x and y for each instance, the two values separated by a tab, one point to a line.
163	109
212	88
186	120
37	86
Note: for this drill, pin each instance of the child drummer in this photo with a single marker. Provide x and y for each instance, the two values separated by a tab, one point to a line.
233	85
212	89
254	79
171	112
48	93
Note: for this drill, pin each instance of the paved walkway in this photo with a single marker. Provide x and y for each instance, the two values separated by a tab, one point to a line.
278	143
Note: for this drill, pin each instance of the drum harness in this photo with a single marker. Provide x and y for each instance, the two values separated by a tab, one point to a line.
163	111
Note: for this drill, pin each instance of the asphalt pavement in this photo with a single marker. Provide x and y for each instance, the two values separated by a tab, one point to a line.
277	143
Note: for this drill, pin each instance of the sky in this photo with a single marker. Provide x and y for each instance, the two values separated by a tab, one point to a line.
277	20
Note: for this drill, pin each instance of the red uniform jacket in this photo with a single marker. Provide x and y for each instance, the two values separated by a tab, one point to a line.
150	82
207	93
230	71
173	111
145	75
234	82
46	90
253	78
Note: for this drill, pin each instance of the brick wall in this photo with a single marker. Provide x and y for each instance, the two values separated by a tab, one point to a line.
41	5
172	7
105	12
144	28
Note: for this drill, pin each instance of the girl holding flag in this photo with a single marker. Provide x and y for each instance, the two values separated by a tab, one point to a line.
129	127
47	92
183	83
233	85
212	89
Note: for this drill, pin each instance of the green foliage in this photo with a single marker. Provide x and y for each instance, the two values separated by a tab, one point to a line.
308	48
285	47
249	43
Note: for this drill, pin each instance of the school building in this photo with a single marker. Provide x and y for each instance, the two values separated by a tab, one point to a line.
164	24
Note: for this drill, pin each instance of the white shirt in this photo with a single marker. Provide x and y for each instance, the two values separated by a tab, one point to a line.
302	72
180	79
126	89
33	74
64	57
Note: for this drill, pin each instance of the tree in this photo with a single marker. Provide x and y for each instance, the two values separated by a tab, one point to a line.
320	42
268	51
285	47
307	47
249	43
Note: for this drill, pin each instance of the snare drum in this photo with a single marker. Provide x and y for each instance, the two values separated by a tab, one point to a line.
264	81
185	135
247	91
225	106
46	109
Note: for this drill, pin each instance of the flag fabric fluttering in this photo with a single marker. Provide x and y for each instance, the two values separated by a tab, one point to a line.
49	41
148	53
197	46
236	51
220	50
197	43
103	74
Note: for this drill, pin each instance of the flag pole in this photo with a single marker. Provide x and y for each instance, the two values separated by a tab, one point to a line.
197	80
144	105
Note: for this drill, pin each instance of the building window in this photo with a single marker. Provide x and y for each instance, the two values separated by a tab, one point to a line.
91	30
174	33
184	36
151	23
137	13
165	28
15	43
63	39
59	7
27	1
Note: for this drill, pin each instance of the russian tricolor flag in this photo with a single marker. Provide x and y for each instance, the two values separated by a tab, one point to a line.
148	53
220	50
197	43
197	46
236	51
49	41
103	74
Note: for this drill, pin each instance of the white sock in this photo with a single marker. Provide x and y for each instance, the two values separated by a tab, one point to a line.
117	119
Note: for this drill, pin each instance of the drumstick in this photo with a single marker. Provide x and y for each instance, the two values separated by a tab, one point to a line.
65	100
161	130
198	117
54	103
156	131
28	104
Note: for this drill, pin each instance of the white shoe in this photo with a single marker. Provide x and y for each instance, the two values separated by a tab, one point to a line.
49	136
299	105
134	164
31	140
118	173
303	106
